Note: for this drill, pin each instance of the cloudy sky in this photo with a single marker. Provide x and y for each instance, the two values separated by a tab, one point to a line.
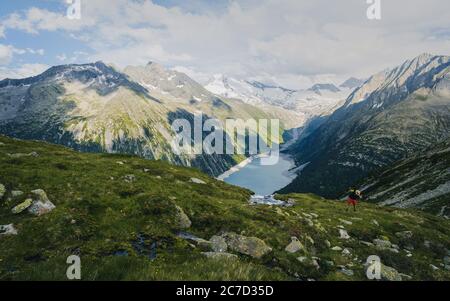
290	42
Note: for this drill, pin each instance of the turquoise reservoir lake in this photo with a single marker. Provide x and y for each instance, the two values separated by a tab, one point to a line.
264	179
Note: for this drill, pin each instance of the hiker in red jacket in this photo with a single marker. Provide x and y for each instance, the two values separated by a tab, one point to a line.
353	198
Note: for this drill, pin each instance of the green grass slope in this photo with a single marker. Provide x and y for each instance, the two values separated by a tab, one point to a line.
421	181
119	214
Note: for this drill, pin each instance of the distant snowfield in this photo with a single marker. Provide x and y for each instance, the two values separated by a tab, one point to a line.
320	99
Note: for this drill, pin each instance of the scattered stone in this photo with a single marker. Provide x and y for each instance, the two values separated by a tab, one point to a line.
366	243
309	239
197	181
41	204
146	170
427	244
294	246
433	267
219	255
389	274
20	155
405	276
311	262
404	234
315	263
357	218
409	247
302	259
447	259
328	243
120	163
447	267
314	215
251	246
309	222
16	193
382	244
218	244
22	206
329	263
8	230
73	222
346	252
375	222
2	190
182	219
319	227
129	178
290	203
279	211
346	272
202	243
343	234
346	222
336	248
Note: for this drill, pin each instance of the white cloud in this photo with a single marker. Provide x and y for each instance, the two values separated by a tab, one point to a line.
61	57
25	70
292	42
6	54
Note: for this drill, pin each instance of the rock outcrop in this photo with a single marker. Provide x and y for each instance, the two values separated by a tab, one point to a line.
41	204
182	219
251	246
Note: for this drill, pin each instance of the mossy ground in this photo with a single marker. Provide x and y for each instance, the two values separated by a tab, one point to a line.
128	231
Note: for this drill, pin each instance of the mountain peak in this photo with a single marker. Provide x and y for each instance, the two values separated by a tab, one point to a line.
425	56
321	87
352	83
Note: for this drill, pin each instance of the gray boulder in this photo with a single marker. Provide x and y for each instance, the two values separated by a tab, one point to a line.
197	181
404	234
251	246
8	230
41	204
389	274
182	219
129	178
343	234
382	244
218	244
294	246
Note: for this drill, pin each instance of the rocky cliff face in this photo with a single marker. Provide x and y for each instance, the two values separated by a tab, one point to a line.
393	115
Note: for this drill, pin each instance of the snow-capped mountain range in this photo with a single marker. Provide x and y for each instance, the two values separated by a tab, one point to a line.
320	99
394	114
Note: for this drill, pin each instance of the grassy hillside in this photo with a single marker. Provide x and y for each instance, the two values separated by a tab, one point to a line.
420	181
123	216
